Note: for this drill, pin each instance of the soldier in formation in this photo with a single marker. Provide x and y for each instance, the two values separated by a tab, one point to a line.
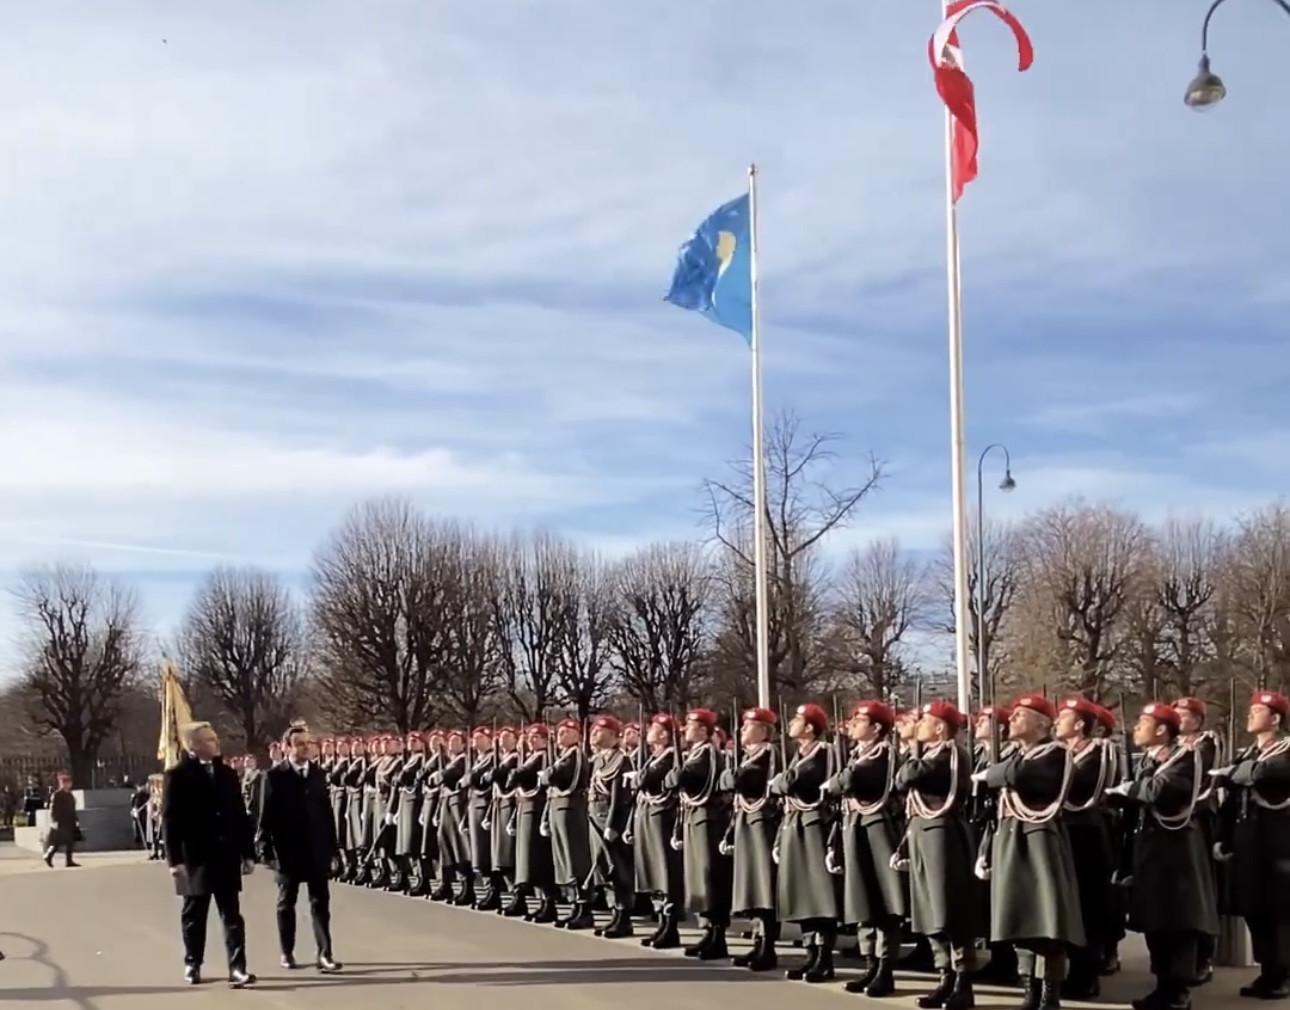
1016	842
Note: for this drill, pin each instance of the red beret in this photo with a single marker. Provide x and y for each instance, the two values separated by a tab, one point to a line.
435	734
947	712
875	711
1082	706
703	716
762	715
1001	712
632	727
608	721
482	731
1278	703
814	715
1036	703
507	729
569	724
538	729
1193	705
459	734
664	720
1106	717
1161	712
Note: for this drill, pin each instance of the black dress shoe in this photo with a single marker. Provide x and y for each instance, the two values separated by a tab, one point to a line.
328	965
240	978
288	961
193	974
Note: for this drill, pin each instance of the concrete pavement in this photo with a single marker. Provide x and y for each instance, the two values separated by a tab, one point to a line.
105	937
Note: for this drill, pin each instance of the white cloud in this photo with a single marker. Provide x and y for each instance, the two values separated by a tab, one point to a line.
290	257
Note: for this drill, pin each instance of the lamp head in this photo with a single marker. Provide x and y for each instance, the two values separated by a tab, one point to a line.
1206	89
1007	484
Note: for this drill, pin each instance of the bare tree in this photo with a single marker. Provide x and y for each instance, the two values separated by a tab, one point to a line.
992	599
1258	577
802	507
585	605
380	586
475	646
1189	560
882	595
84	651
1084	566
527	613
658	623
243	641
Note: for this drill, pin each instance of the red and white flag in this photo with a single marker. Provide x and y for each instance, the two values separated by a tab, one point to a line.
955	87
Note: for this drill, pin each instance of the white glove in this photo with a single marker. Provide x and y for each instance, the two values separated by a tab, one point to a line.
544	778
544	830
981	870
1220	854
676	844
510	830
898	864
629	838
978	777
725	848
1121	790
389	818
774	855
1222	772
831	866
629	778
485	825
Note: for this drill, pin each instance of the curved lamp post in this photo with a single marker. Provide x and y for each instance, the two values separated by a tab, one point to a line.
1005	485
1206	89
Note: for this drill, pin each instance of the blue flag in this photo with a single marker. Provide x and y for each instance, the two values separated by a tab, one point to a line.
714	269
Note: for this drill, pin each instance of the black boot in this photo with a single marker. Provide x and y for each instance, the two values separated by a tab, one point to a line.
800	972
467	896
716	949
491	900
696	948
766	959
49	857
579	917
620	926
867	974
935	1000
419	880
443	890
667	936
1033	992
746	960
884	980
517	907
822	970
546	913
1050	996
961	996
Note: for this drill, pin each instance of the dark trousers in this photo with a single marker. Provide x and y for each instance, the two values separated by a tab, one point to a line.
319	913
1173	959
193	918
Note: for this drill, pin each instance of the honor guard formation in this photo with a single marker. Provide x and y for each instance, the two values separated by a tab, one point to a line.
1015	847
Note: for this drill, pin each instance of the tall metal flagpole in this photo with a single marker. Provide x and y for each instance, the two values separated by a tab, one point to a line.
958	441
759	466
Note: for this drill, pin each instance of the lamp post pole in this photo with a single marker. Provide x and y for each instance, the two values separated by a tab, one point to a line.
982	650
1207	89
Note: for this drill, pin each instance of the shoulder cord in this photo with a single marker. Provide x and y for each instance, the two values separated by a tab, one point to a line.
916	806
577	776
1178	821
1010	804
1106	769
867	754
709	785
753	756
1278	749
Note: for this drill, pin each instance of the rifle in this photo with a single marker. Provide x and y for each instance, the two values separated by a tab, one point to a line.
1130	818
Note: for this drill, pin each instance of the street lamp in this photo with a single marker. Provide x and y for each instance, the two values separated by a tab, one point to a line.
1005	485
1206	89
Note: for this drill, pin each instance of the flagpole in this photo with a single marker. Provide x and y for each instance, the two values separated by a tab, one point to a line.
958	440
759	467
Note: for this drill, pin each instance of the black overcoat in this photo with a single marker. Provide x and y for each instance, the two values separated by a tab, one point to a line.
205	825
297	835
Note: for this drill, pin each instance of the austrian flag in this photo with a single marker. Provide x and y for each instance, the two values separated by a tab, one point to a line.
955	87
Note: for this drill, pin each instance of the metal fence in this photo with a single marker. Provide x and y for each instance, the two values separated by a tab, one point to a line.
107	771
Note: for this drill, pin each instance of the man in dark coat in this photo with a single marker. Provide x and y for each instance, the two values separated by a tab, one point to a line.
210	846
1255	842
1171	893
297	838
63	827
1034	900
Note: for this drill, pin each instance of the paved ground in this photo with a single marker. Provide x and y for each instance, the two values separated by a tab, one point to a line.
105	937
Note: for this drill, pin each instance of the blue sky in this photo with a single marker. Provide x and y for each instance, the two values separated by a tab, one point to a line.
299	254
